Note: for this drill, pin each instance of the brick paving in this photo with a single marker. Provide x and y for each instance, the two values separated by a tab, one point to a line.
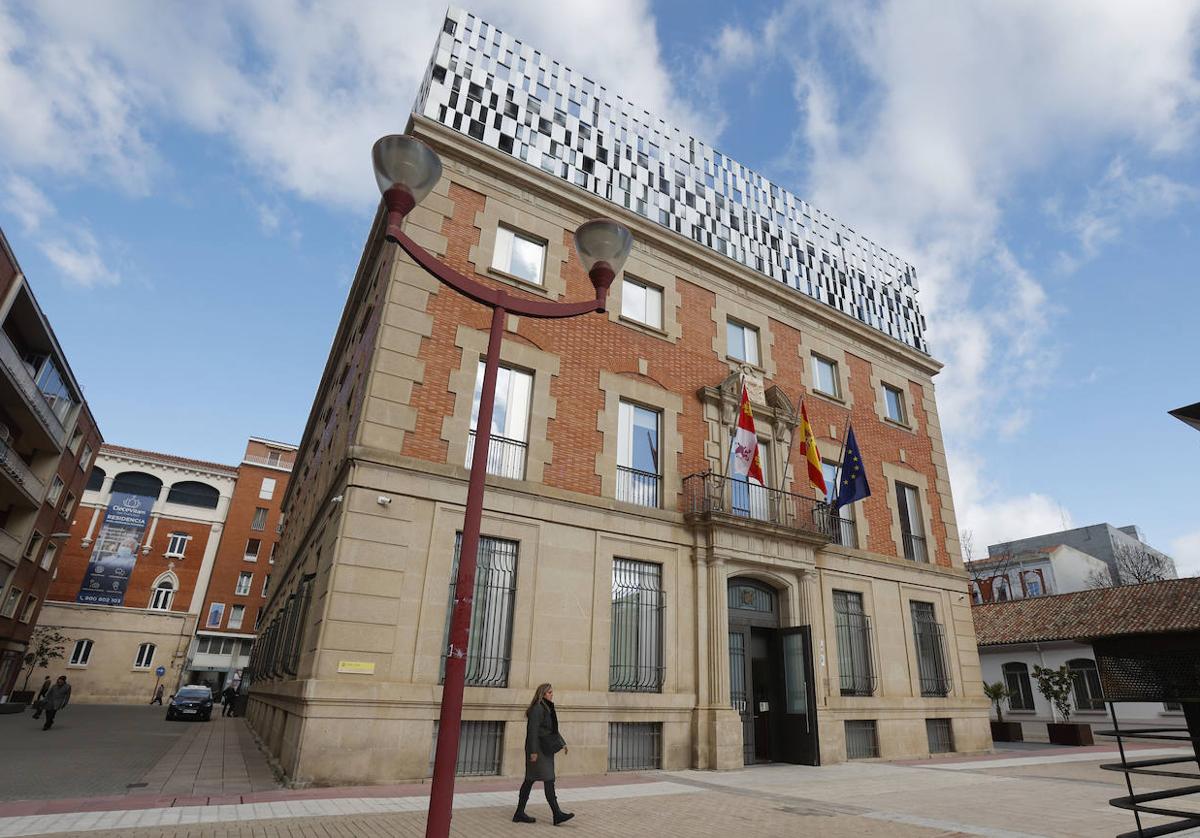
219	757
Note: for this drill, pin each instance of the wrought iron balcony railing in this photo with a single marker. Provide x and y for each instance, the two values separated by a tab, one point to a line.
640	487
914	548
843	531
506	457
706	494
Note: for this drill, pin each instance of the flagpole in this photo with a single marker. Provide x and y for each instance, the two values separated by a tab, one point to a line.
841	460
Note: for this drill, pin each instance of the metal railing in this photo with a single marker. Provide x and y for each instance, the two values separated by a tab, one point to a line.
38	403
914	548
640	487
843	531
480	748
634	746
933	667
506	457
489	644
261	460
636	652
940	735
707	493
20	473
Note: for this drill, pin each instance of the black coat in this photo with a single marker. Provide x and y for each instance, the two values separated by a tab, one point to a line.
541	732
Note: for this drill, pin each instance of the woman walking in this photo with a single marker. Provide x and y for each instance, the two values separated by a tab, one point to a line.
542	742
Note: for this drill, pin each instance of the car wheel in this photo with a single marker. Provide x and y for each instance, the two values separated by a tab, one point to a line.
207	717
170	717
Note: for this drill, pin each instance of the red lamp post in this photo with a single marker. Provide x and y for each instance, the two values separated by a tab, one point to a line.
407	170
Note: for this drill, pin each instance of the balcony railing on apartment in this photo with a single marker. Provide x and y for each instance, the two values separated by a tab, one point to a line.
640	487
843	531
707	494
11	359
914	548
506	457
261	460
12	465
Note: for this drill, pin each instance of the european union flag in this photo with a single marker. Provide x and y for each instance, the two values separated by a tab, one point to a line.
852	479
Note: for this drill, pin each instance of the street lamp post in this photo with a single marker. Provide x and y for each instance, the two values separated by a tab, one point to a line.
406	171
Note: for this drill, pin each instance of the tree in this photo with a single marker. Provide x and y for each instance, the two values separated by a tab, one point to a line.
985	568
1056	686
997	692
45	645
1135	564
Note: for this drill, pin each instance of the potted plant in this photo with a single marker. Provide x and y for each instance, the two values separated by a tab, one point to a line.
1002	731
1056	686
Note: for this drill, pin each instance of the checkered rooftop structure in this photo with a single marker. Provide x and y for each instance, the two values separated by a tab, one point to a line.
511	97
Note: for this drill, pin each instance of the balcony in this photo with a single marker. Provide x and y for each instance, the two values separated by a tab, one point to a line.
506	457
268	460
46	422
914	548
640	487
31	489
843	531
713	497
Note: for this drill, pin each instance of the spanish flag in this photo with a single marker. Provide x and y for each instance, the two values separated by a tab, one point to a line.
808	450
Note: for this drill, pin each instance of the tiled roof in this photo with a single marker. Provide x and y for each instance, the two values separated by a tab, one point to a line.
165	458
1149	608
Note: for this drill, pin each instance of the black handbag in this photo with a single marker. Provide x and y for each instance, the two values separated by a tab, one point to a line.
553	743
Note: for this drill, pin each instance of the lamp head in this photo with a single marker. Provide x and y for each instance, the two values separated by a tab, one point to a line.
406	170
603	246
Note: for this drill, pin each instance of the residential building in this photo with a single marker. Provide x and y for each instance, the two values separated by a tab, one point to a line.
686	618
241	578
48	439
1063	629
1111	545
132	575
1057	569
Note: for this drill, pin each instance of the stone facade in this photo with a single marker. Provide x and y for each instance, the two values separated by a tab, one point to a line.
347	669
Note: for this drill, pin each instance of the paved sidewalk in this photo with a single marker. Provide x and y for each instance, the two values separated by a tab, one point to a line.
219	757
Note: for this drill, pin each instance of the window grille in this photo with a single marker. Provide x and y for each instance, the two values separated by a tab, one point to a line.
930	639
634	746
636	654
298	613
489	643
480	748
940	735
855	668
1016	678
862	741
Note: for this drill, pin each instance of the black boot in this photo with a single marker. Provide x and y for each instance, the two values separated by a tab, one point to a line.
522	799
559	815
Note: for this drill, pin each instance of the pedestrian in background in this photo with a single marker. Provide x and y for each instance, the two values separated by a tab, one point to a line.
57	697
158	692
228	696
542	742
40	701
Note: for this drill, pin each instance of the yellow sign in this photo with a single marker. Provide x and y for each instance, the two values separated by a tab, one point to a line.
357	667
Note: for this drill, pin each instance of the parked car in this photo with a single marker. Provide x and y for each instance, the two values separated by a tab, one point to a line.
191	702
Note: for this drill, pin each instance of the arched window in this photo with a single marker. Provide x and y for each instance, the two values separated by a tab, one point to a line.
1016	678
145	656
137	483
164	592
1000	589
1086	679
192	493
96	479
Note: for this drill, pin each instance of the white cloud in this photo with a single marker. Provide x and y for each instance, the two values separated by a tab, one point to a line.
79	259
28	203
1185	550
993	517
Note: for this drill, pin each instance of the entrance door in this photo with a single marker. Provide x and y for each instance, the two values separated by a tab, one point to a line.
796	716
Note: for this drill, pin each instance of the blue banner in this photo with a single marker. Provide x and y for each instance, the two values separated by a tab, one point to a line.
115	551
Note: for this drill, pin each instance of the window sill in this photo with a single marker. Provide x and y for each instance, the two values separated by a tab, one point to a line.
518	282
249	559
653	331
904	426
740	363
829	397
77	666
173	555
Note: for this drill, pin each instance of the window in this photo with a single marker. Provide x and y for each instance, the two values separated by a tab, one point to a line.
252	547
1001	590
893	403
636	654
1016	678
634	746
260	519
176	544
271	558
855	669
164	592
480	748
940	734
752	499
236	614
490	639
519	255
741	342
274	458
49	555
641	302
215	612
86	457
145	656
930	639
258	615
844	530
35	541
95	479
194	493
1032	581
10	604
82	653
510	422
245	580
1086	680
912	527
56	488
862	742
266	584
76	438
68	506
137	483
267	490
30	607
637	454
825	377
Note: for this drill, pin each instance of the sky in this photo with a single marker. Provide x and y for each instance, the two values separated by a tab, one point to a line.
187	187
